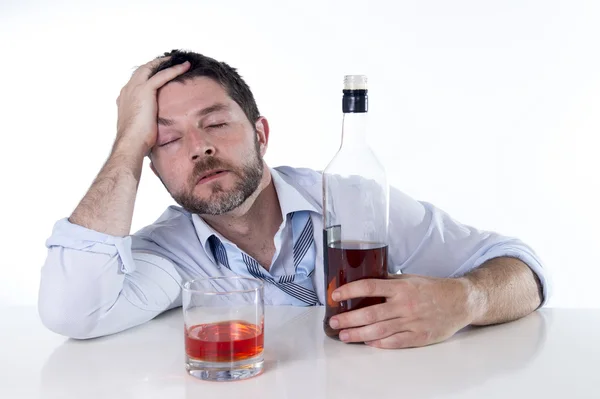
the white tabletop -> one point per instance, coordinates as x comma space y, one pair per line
553, 353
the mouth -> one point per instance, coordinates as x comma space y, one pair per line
211, 175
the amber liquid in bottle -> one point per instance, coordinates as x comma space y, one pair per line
347, 261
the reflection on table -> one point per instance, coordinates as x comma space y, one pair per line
300, 361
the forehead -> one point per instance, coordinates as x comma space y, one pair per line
175, 98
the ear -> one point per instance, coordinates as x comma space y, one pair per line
262, 133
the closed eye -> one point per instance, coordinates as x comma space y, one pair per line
168, 142
217, 126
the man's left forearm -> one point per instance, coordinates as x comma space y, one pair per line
501, 290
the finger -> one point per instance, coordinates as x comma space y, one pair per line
155, 62
402, 276
166, 75
363, 288
142, 72
373, 332
405, 339
365, 316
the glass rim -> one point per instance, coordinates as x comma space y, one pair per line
187, 284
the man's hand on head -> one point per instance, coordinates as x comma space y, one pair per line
137, 106
108, 205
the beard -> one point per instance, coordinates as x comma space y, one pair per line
221, 200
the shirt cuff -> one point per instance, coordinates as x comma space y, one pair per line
73, 236
525, 256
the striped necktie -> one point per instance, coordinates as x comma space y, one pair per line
299, 285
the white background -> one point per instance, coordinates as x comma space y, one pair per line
488, 109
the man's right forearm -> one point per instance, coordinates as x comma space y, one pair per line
108, 205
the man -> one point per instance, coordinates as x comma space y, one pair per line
197, 121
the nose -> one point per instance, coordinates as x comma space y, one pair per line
199, 145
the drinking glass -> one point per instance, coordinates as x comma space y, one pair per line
224, 327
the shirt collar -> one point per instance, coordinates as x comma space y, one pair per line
290, 201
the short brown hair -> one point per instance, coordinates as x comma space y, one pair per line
221, 72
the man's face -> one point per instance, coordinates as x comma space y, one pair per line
208, 155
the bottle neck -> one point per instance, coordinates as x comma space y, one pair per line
354, 130
355, 104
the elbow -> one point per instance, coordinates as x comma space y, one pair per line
65, 312
64, 320
60, 323
72, 297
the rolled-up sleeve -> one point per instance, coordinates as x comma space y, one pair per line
425, 240
94, 284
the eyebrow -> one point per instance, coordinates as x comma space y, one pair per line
203, 112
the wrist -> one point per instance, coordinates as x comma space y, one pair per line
475, 300
127, 157
129, 152
130, 146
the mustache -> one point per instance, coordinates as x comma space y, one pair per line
207, 164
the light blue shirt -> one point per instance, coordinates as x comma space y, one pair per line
94, 284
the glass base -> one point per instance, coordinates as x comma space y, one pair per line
230, 371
